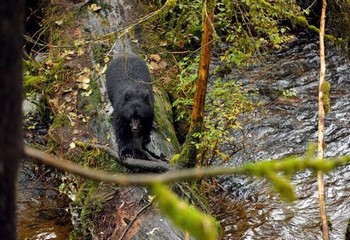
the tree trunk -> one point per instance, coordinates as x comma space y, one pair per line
321, 117
11, 143
189, 153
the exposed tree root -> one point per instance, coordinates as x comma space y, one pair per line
151, 165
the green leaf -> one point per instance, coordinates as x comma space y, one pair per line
184, 215
283, 186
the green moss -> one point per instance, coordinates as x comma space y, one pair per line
188, 158
95, 97
92, 103
93, 158
32, 79
99, 52
43, 77
347, 234
164, 117
60, 120
175, 159
90, 201
58, 34
87, 209
325, 87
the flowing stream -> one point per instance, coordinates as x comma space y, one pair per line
42, 212
283, 126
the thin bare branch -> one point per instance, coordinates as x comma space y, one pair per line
321, 129
125, 179
135, 218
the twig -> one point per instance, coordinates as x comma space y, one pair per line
321, 129
134, 219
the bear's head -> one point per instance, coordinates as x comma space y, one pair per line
137, 107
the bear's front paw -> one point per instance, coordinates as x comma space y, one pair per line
126, 153
146, 140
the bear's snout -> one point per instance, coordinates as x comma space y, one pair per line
135, 125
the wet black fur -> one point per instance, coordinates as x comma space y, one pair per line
130, 92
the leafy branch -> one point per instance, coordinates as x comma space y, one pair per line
273, 169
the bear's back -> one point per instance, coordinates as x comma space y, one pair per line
126, 71
127, 68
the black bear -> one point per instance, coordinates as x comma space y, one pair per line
129, 89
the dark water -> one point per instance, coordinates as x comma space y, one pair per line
284, 126
42, 211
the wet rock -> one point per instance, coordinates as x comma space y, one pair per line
280, 128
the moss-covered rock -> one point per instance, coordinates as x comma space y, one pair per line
163, 139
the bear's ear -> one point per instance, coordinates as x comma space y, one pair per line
128, 93
145, 96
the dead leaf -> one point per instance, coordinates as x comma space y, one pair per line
155, 57
72, 145
59, 22
83, 79
73, 115
162, 65
103, 69
163, 43
80, 51
67, 98
95, 8
106, 60
49, 63
67, 90
154, 65
88, 93
87, 70
84, 86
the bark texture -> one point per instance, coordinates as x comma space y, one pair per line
189, 153
321, 117
11, 144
